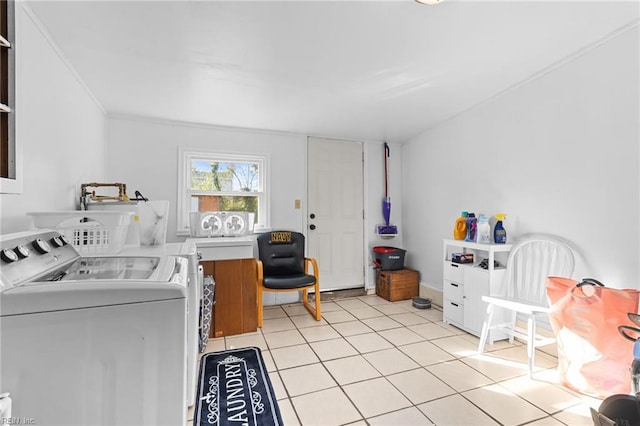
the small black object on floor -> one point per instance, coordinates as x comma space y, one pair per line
421, 303
234, 388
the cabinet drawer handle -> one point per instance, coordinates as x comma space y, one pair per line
454, 304
453, 265
454, 285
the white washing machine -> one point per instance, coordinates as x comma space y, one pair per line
188, 251
91, 341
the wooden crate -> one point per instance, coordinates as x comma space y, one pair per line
397, 285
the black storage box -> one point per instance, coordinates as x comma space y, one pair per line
388, 258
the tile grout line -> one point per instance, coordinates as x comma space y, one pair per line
309, 342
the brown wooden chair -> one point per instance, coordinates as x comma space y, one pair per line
282, 266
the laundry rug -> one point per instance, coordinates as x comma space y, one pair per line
234, 389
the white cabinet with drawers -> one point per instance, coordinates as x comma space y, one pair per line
464, 284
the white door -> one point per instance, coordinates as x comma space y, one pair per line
335, 214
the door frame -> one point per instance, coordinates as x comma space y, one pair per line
365, 237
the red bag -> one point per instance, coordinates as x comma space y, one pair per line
593, 357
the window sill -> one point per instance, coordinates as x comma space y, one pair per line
257, 230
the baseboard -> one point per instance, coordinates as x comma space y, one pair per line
431, 293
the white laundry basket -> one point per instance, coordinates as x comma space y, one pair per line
90, 232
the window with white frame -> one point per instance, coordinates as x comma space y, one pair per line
222, 182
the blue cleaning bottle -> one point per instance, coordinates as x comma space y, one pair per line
499, 233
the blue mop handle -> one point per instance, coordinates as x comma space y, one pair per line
386, 202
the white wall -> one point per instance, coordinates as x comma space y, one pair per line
143, 153
60, 128
559, 154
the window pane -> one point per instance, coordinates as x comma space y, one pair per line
222, 182
207, 175
216, 203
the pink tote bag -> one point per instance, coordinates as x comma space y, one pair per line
593, 357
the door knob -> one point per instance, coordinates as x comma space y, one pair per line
312, 227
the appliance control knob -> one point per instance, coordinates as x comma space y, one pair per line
41, 246
8, 255
57, 242
64, 240
22, 251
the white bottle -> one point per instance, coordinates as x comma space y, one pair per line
484, 230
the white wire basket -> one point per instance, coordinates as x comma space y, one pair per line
90, 232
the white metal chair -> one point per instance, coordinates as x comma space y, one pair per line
529, 264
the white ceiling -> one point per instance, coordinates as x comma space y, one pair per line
381, 70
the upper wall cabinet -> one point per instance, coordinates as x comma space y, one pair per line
9, 176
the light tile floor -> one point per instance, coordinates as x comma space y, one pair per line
373, 362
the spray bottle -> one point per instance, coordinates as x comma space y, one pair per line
499, 233
460, 228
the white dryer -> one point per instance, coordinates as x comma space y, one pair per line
195, 279
91, 341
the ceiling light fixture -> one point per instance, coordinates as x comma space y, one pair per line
429, 2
